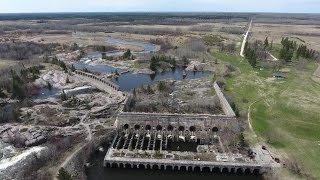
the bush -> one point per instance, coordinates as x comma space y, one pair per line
64, 175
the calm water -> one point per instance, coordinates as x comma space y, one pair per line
96, 171
129, 80
147, 47
44, 93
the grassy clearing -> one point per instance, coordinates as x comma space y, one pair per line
286, 113
6, 63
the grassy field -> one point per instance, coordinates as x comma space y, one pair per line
285, 113
6, 63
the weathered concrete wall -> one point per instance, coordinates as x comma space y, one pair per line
104, 85
201, 122
223, 101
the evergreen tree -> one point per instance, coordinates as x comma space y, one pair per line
64, 175
266, 42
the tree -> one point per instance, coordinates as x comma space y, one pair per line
153, 63
104, 55
149, 90
73, 69
63, 96
266, 43
49, 85
127, 54
64, 175
162, 86
185, 60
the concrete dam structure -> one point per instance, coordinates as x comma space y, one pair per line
186, 142
189, 142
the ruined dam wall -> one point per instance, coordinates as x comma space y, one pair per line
228, 111
102, 84
202, 122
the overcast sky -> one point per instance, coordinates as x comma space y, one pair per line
286, 6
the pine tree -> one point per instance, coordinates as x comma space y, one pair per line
64, 175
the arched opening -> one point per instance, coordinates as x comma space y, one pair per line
126, 126
216, 170
170, 128
225, 170
108, 165
114, 165
196, 169
128, 166
247, 171
239, 171
183, 168
205, 169
256, 171
215, 129
155, 167
162, 167
135, 166
176, 168
137, 127
181, 128
148, 166
121, 165
192, 128
148, 127
189, 169
159, 128
233, 170
169, 167
141, 166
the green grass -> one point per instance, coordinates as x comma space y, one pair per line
286, 113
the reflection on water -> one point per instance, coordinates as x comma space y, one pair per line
128, 81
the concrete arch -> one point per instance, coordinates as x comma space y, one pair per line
169, 167
159, 128
114, 165
225, 170
148, 127
126, 126
206, 169
256, 171
183, 168
239, 171
170, 127
155, 167
196, 169
121, 165
137, 127
247, 171
128, 166
141, 166
215, 129
181, 128
192, 128
190, 169
216, 170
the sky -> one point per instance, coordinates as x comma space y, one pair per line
285, 6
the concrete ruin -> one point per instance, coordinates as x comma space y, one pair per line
191, 142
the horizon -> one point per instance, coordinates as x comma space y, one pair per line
160, 6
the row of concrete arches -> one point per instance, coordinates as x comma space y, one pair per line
239, 170
169, 128
98, 79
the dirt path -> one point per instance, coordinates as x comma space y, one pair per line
89, 137
316, 75
245, 40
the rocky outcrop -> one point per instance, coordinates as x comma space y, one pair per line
195, 66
